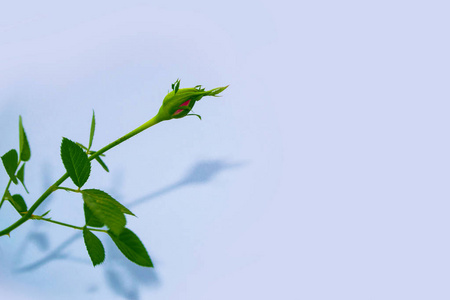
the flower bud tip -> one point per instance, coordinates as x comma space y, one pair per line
179, 102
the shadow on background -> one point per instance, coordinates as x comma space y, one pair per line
36, 237
123, 277
202, 172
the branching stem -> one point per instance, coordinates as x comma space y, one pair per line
65, 224
67, 189
4, 194
28, 215
8, 185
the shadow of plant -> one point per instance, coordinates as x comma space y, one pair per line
201, 173
122, 277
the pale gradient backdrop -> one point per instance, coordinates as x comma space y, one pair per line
322, 172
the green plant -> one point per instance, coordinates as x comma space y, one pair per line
102, 212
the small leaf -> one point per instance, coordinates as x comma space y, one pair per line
82, 146
91, 220
46, 213
18, 203
106, 209
10, 160
91, 138
76, 162
131, 246
94, 247
100, 161
200, 117
176, 86
25, 152
21, 177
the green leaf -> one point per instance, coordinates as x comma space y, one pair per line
91, 138
94, 247
82, 146
131, 246
25, 152
91, 220
10, 161
200, 117
177, 86
18, 203
46, 213
76, 162
21, 177
106, 209
117, 203
100, 161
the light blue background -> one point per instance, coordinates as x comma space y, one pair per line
322, 172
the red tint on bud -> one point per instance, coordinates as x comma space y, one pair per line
179, 102
180, 110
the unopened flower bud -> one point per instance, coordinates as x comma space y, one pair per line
179, 102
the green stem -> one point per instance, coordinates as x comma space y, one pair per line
67, 225
36, 204
67, 189
155, 120
4, 194
7, 186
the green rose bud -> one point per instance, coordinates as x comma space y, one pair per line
179, 102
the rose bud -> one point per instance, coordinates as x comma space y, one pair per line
179, 102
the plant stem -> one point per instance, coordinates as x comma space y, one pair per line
67, 189
36, 204
4, 194
155, 120
8, 185
67, 225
